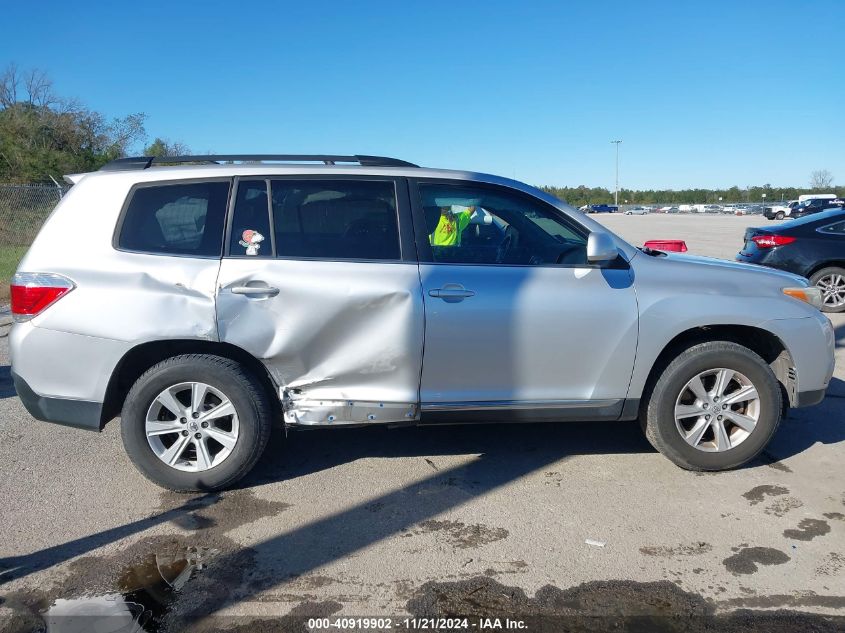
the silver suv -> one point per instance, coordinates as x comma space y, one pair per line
207, 300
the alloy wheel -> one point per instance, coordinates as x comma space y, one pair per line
192, 426
833, 290
717, 410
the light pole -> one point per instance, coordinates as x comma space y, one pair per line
616, 194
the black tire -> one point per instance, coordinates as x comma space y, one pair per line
659, 415
779, 215
251, 402
821, 274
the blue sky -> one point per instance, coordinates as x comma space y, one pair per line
702, 93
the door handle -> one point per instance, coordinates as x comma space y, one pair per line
255, 291
451, 293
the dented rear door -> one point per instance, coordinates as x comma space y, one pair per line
319, 281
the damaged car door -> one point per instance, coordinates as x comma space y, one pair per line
319, 281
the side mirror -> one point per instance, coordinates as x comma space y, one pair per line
601, 247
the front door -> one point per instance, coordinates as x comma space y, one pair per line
516, 318
320, 283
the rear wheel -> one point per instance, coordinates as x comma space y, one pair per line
831, 281
715, 407
196, 422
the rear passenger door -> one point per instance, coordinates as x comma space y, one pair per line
319, 280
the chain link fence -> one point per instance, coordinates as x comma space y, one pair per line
23, 209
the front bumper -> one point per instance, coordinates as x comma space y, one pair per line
809, 398
810, 342
81, 414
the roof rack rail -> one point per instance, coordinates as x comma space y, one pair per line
144, 162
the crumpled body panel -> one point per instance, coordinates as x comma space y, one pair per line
343, 340
137, 298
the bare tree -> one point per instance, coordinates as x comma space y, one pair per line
127, 132
9, 82
39, 88
821, 179
32, 88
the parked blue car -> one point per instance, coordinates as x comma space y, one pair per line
603, 208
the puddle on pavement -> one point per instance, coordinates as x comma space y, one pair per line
146, 592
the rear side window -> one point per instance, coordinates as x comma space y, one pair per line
838, 228
176, 219
340, 219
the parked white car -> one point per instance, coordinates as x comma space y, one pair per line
637, 211
780, 211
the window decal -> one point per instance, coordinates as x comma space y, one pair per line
251, 241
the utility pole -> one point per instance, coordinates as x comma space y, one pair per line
616, 194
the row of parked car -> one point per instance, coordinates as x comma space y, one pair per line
805, 205
727, 209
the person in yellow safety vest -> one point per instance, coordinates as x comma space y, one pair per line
450, 226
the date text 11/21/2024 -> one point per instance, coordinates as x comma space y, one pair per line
415, 623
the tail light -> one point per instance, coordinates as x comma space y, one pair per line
770, 241
32, 293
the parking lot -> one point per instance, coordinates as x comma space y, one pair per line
704, 234
566, 521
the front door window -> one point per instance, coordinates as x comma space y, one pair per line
476, 225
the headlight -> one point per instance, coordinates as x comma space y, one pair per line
811, 295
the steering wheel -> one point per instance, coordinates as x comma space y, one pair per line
507, 244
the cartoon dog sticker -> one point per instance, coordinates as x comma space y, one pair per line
251, 241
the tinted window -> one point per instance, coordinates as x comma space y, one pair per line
838, 228
184, 219
469, 225
251, 221
341, 219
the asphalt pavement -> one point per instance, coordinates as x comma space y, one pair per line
563, 521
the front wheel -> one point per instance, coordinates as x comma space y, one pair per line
196, 422
831, 281
779, 215
715, 407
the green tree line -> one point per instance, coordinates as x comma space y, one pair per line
43, 135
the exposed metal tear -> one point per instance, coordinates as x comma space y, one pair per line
302, 411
